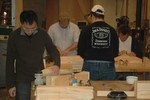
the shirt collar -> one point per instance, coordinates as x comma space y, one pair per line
23, 33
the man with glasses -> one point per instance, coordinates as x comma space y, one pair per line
25, 50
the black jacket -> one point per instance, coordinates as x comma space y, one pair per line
98, 41
136, 47
25, 55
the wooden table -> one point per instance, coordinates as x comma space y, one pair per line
104, 86
100, 90
75, 64
106, 98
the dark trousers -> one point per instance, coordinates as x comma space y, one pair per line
23, 90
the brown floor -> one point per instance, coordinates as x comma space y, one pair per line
4, 93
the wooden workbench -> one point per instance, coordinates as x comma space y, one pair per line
112, 85
138, 91
141, 68
100, 91
120, 68
102, 88
75, 63
106, 98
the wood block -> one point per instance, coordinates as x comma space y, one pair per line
143, 90
66, 66
83, 76
130, 59
75, 62
64, 93
48, 71
146, 62
63, 80
132, 68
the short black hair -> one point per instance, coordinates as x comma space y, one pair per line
124, 29
28, 16
123, 20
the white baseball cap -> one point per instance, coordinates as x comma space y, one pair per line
98, 9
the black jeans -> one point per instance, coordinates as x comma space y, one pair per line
23, 90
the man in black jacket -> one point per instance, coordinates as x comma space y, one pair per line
25, 50
98, 45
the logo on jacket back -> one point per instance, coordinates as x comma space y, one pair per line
101, 37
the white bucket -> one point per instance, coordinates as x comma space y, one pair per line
131, 79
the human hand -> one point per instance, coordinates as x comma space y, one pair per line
64, 53
12, 91
55, 70
60, 52
123, 52
132, 54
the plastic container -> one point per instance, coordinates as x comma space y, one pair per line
131, 79
38, 79
73, 80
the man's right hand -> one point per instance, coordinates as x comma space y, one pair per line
12, 91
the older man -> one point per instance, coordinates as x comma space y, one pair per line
64, 35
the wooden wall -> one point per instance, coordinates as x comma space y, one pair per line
75, 9
116, 8
52, 12
19, 8
110, 8
39, 6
